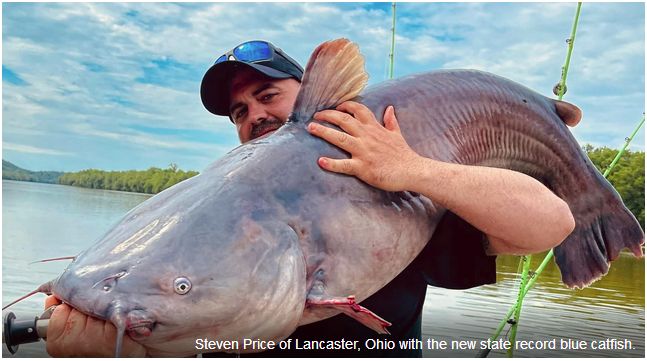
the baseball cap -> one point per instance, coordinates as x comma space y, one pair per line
259, 55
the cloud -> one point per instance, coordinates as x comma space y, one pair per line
22, 148
146, 142
101, 74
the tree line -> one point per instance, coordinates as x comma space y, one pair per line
153, 180
627, 176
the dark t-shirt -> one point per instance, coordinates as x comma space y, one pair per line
454, 258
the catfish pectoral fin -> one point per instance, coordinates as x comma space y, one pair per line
349, 307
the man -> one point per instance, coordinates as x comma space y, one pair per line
256, 84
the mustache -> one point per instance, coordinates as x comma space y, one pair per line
264, 126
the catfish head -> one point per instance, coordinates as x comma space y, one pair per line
183, 265
221, 255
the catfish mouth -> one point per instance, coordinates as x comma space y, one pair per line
139, 324
140, 330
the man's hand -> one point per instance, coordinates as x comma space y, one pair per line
380, 155
72, 334
517, 213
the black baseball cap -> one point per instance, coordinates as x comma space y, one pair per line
258, 55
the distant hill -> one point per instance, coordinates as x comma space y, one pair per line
13, 172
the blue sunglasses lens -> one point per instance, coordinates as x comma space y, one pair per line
253, 51
221, 59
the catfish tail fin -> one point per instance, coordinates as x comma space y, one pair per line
604, 226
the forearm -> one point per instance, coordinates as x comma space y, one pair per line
517, 210
518, 214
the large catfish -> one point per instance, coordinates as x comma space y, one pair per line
263, 240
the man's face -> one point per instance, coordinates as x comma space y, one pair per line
259, 105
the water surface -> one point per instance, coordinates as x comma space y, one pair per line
44, 221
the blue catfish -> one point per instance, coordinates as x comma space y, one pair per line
263, 240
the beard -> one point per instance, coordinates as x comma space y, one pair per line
265, 127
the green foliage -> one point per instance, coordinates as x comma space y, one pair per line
12, 172
627, 176
153, 180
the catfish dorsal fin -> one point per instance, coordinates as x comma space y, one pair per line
334, 74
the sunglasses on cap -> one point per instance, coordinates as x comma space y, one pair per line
259, 55
256, 51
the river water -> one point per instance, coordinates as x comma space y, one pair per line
44, 221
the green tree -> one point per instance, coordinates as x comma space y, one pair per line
153, 180
627, 177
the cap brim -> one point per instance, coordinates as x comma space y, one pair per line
214, 89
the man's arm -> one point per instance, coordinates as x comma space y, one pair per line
518, 213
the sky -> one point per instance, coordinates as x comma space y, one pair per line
115, 86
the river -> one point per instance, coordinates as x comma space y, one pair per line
45, 220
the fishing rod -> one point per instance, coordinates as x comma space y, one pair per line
392, 53
559, 90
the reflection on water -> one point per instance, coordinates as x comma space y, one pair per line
43, 221
612, 308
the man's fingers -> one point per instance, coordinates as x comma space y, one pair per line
345, 166
335, 137
390, 121
72, 333
343, 120
132, 348
105, 334
76, 324
58, 322
51, 301
358, 110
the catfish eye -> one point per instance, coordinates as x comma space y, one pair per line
182, 285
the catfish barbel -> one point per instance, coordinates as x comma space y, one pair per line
263, 240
